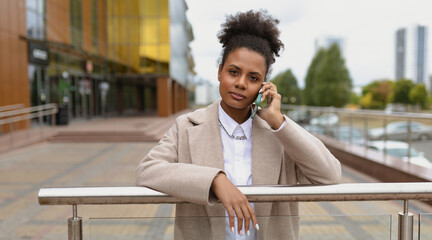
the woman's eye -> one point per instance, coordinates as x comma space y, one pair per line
253, 78
233, 72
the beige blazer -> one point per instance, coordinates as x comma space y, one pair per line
189, 156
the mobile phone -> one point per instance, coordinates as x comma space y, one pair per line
257, 102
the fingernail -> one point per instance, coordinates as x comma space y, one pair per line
248, 233
257, 226
232, 229
262, 99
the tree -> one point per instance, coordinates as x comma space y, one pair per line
308, 95
377, 94
418, 95
401, 91
286, 84
331, 81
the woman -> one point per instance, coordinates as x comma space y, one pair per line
208, 152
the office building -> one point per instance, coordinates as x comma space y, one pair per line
411, 54
98, 57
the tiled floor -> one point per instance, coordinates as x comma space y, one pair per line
25, 170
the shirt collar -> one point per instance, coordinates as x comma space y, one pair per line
230, 124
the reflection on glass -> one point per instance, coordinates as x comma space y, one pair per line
35, 19
375, 227
138, 34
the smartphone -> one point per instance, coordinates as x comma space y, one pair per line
257, 102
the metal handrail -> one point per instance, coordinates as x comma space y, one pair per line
11, 107
302, 193
17, 115
299, 193
49, 106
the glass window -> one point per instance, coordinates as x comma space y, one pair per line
150, 8
119, 7
164, 53
134, 30
94, 25
164, 30
151, 31
35, 19
163, 8
76, 22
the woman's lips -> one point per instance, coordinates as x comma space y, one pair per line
237, 96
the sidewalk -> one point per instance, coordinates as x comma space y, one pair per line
115, 129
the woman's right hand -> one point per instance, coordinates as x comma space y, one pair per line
234, 202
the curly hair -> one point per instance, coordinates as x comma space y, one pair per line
255, 30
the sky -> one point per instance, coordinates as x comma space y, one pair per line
367, 26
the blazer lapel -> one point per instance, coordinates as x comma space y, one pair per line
205, 146
205, 142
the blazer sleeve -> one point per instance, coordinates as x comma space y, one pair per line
161, 171
313, 161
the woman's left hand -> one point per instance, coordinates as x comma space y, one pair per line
271, 112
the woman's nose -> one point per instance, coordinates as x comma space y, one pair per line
241, 81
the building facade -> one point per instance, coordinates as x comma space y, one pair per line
327, 41
411, 54
97, 57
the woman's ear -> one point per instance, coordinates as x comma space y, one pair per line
219, 72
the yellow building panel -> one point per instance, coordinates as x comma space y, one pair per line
164, 30
150, 8
138, 33
164, 53
134, 30
150, 30
163, 8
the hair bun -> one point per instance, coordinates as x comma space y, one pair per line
255, 23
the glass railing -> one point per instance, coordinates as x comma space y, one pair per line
361, 227
425, 226
344, 227
404, 135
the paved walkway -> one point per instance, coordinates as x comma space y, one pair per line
25, 170
115, 129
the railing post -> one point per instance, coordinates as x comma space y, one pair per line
406, 222
409, 140
75, 225
11, 132
385, 135
366, 131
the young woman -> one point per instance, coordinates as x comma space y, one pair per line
208, 152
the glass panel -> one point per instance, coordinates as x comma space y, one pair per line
163, 7
94, 25
425, 226
118, 7
164, 53
151, 31
362, 227
122, 30
164, 30
150, 8
134, 25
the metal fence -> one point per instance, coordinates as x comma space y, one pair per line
75, 196
13, 114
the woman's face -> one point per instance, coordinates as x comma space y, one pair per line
241, 78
